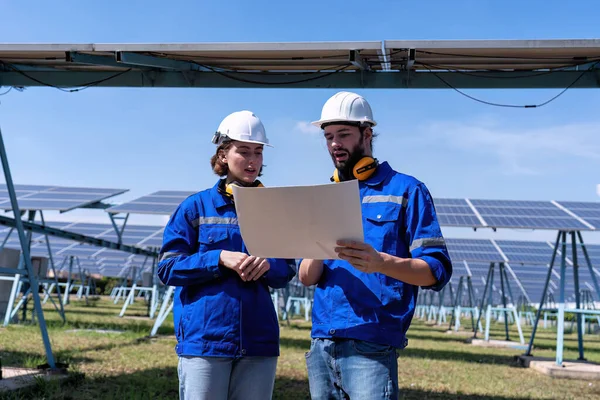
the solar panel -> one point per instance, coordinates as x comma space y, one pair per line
524, 252
590, 212
94, 256
473, 250
526, 214
456, 212
58, 198
161, 202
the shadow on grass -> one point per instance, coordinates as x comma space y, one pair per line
410, 394
156, 383
299, 344
442, 337
125, 325
294, 325
23, 359
450, 355
163, 383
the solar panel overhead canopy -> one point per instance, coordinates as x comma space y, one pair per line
306, 64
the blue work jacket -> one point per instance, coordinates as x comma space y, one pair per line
215, 312
399, 219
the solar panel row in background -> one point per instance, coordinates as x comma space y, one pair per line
59, 198
162, 202
453, 212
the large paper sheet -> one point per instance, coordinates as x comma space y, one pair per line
299, 221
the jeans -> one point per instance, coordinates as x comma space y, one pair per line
352, 369
226, 378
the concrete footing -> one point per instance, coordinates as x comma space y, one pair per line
500, 344
583, 370
20, 378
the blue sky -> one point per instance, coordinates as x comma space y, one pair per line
151, 139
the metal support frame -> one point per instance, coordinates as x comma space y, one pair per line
165, 309
459, 309
489, 304
195, 76
26, 255
118, 231
442, 309
20, 279
561, 239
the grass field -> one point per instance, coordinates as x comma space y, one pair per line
127, 365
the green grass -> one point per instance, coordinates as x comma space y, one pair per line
435, 365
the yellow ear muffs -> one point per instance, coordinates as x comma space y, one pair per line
229, 187
363, 169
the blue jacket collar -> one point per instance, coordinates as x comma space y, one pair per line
383, 171
218, 198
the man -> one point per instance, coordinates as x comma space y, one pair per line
364, 302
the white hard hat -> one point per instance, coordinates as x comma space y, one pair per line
346, 107
243, 126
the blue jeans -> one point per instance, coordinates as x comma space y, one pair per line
222, 378
352, 369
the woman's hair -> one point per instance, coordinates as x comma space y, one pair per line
219, 167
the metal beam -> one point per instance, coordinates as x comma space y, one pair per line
359, 62
134, 59
330, 80
92, 59
46, 230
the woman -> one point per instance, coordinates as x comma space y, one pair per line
225, 322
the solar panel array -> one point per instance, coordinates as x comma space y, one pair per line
60, 198
454, 212
588, 211
527, 260
476, 213
107, 262
161, 202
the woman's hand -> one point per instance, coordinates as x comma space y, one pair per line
249, 268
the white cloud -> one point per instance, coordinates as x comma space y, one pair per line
520, 151
306, 128
598, 189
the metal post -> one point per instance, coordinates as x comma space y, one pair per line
68, 288
82, 282
589, 264
471, 302
456, 305
26, 255
62, 310
539, 310
514, 308
165, 309
561, 302
487, 285
153, 296
442, 294
488, 314
501, 267
577, 296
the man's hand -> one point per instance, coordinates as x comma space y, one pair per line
361, 256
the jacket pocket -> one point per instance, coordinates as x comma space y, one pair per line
213, 237
382, 225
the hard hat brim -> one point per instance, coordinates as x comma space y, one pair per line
246, 141
319, 123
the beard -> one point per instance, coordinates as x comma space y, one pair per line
346, 167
